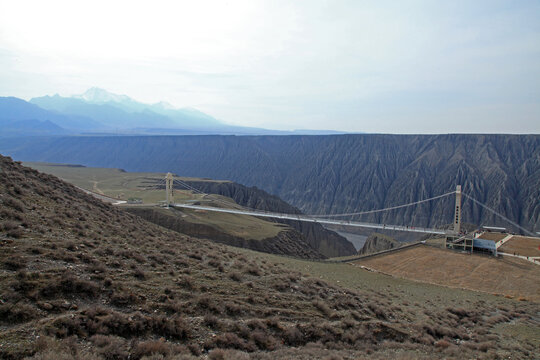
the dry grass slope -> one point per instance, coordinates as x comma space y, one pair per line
82, 279
521, 245
506, 276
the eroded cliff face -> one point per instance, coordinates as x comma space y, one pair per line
377, 242
335, 174
287, 242
326, 242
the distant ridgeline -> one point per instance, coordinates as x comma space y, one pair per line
335, 173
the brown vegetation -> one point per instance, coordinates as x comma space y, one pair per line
446, 267
521, 245
86, 280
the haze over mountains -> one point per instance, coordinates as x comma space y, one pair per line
335, 174
99, 111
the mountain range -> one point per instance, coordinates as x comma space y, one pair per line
335, 174
99, 111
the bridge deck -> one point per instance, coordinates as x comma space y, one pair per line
317, 220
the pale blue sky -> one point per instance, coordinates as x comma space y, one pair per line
369, 66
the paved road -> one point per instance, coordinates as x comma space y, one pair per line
104, 198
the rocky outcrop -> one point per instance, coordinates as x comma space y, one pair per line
378, 242
287, 242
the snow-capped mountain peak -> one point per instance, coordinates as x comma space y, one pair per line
164, 105
98, 96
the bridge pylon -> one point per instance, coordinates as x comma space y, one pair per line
169, 189
457, 214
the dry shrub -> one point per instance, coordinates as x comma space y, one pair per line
273, 322
196, 256
14, 262
254, 270
322, 307
263, 341
195, 349
496, 319
236, 276
16, 233
139, 274
123, 298
217, 354
8, 213
210, 304
186, 282
70, 285
17, 313
379, 312
233, 309
8, 225
211, 321
111, 347
97, 267
282, 284
157, 259
485, 346
13, 203
257, 324
108, 322
439, 332
442, 344
460, 312
51, 349
35, 251
147, 348
293, 336
214, 263
230, 340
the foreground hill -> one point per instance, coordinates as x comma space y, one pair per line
82, 279
336, 174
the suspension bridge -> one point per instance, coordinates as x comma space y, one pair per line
232, 208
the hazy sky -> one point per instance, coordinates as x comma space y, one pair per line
433, 66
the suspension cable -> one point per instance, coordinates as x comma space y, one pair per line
498, 214
362, 212
385, 209
189, 187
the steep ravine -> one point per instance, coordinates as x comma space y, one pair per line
326, 242
287, 242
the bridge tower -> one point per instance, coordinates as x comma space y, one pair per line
169, 189
457, 215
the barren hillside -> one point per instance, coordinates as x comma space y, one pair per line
82, 279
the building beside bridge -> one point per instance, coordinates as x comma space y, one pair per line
498, 244
477, 242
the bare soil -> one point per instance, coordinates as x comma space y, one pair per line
505, 276
521, 245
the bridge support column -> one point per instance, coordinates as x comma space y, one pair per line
169, 189
457, 215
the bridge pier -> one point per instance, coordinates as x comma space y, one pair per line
457, 215
169, 189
